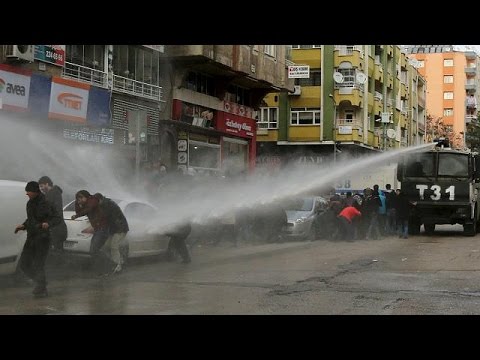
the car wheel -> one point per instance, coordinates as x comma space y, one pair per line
429, 228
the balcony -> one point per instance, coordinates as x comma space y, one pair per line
347, 50
378, 96
378, 73
470, 70
470, 118
353, 94
85, 74
349, 129
137, 88
421, 99
471, 85
470, 55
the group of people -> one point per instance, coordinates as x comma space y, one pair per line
46, 230
370, 215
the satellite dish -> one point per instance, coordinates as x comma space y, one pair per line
338, 77
361, 78
391, 133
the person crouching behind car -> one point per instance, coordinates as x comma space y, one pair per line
41, 216
346, 217
117, 228
86, 204
177, 242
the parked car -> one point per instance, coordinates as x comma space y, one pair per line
12, 212
141, 241
303, 217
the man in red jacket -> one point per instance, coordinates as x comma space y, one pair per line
346, 217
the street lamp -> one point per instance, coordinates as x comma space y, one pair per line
334, 128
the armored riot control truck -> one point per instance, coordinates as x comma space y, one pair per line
444, 183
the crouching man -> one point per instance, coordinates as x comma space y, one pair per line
117, 229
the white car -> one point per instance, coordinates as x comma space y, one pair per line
141, 241
12, 212
303, 216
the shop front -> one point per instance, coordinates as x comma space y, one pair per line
211, 141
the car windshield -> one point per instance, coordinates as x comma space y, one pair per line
305, 204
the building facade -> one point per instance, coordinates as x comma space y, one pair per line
355, 99
195, 105
215, 92
452, 76
86, 93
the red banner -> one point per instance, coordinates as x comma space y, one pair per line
236, 125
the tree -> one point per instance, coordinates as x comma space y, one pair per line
434, 128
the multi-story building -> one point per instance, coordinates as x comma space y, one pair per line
85, 93
452, 76
355, 99
215, 91
206, 97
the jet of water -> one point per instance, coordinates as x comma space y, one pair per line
27, 153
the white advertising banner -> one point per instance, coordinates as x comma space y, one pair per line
14, 90
299, 71
68, 100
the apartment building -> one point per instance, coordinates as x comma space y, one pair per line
355, 99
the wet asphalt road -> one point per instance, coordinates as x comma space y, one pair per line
421, 275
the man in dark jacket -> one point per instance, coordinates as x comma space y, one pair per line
41, 216
53, 193
87, 204
177, 242
117, 229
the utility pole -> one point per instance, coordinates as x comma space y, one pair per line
385, 121
334, 128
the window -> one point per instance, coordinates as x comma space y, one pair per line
136, 63
448, 62
348, 77
314, 79
349, 116
238, 95
448, 112
448, 79
268, 118
235, 156
447, 95
419, 165
203, 155
200, 83
270, 50
453, 165
304, 116
91, 56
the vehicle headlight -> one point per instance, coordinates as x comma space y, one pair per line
301, 220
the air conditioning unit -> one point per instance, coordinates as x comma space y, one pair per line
297, 90
19, 52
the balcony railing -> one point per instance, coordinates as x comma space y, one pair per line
354, 123
471, 70
85, 74
378, 96
348, 49
138, 88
